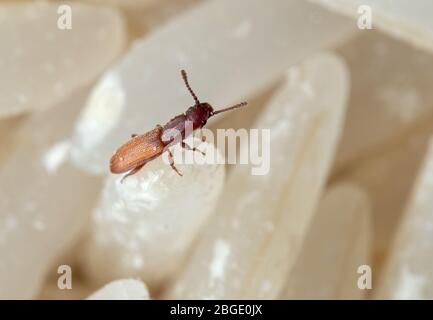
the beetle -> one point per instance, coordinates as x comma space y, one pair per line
141, 149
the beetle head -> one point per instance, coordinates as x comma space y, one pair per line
201, 111
199, 114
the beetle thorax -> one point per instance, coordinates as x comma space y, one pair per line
199, 114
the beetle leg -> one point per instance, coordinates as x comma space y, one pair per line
187, 147
170, 158
134, 135
133, 171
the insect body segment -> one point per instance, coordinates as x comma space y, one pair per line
174, 130
135, 153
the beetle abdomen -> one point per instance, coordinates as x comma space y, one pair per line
137, 151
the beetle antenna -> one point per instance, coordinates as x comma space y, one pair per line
239, 105
185, 79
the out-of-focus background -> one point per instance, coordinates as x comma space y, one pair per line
343, 86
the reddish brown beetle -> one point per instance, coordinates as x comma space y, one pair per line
141, 149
